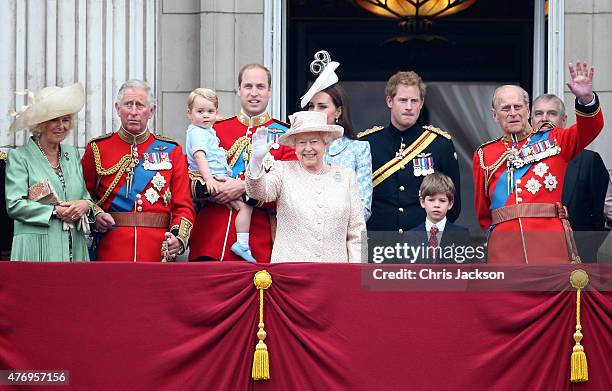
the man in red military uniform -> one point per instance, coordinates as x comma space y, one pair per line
214, 231
140, 184
518, 177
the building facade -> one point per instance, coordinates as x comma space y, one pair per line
178, 45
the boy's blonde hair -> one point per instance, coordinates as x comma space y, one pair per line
437, 183
205, 93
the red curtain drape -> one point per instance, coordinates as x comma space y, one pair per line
193, 327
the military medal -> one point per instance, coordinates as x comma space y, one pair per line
167, 197
158, 181
273, 136
417, 167
535, 152
540, 169
156, 161
430, 165
399, 154
423, 164
533, 185
151, 195
550, 182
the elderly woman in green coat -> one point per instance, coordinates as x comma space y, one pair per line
51, 229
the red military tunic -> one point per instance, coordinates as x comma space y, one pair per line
530, 239
214, 231
160, 185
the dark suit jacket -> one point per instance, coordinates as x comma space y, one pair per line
452, 234
584, 193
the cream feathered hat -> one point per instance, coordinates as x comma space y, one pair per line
51, 102
326, 69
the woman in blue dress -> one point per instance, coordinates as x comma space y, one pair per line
327, 96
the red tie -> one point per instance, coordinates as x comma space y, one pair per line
433, 240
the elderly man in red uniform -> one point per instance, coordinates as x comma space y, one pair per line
214, 230
518, 177
140, 184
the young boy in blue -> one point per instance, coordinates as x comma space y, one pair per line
207, 157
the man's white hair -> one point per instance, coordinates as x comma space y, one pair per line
136, 84
525, 94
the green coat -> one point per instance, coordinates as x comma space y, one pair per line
38, 236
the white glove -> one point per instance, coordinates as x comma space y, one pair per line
259, 148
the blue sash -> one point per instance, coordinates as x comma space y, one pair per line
123, 203
500, 193
240, 165
275, 130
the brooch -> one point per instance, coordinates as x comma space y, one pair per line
533, 185
151, 195
158, 181
550, 182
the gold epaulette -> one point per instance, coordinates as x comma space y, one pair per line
166, 139
437, 131
104, 136
2, 155
370, 131
489, 142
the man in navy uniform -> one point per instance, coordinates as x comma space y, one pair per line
404, 153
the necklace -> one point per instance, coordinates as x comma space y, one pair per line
59, 154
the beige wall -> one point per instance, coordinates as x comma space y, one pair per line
588, 28
204, 43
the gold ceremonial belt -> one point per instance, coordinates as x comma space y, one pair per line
145, 219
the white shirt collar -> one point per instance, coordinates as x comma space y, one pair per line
441, 224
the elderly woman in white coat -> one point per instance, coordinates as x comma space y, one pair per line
319, 212
328, 96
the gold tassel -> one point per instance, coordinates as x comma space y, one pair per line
261, 359
579, 368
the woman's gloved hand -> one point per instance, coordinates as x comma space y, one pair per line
259, 148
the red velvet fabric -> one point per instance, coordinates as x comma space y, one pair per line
121, 326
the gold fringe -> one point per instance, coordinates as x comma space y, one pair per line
579, 370
261, 358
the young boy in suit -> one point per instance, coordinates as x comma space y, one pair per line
436, 235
